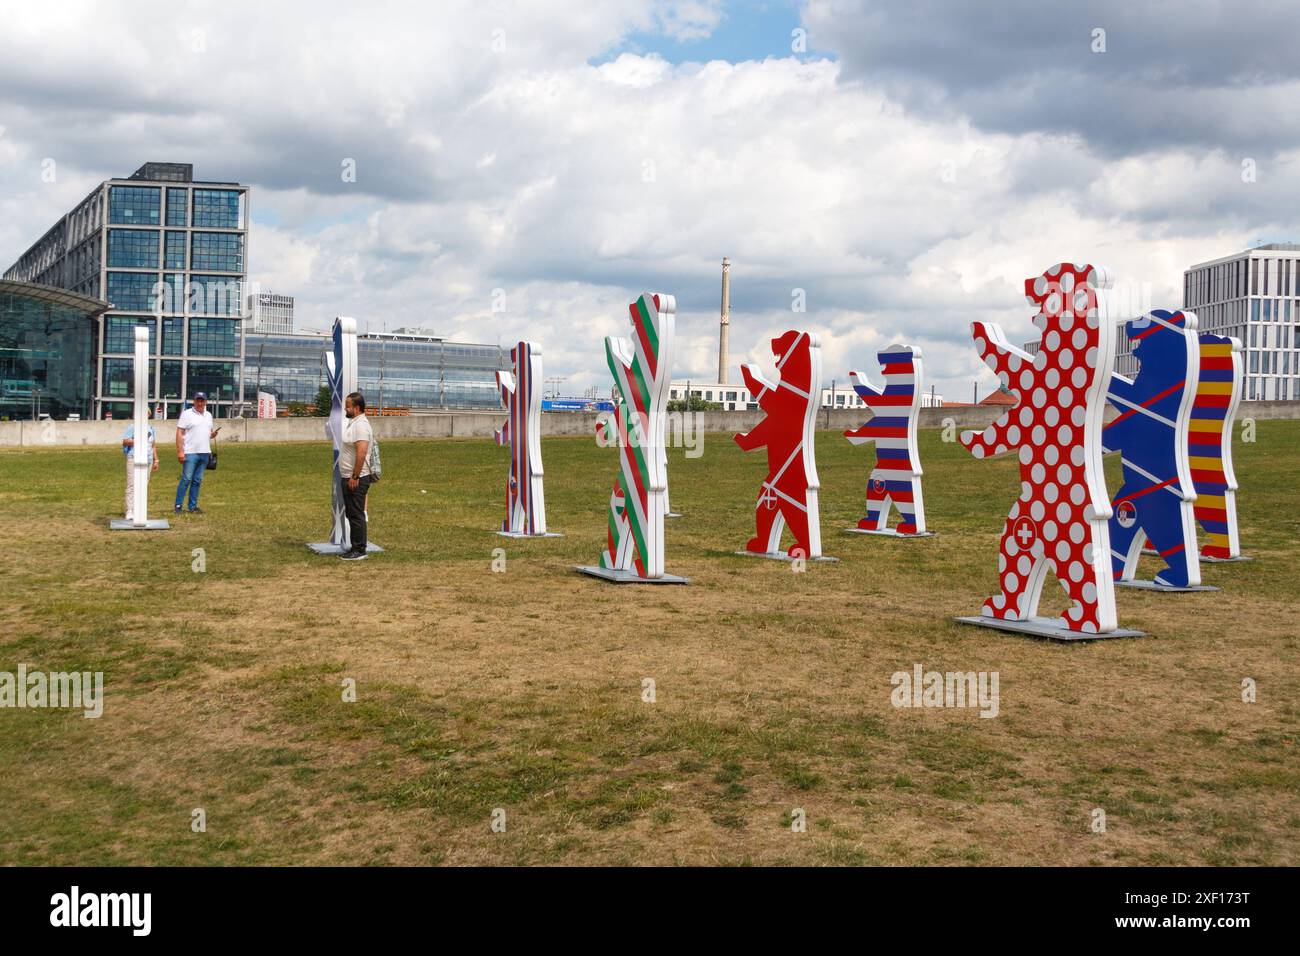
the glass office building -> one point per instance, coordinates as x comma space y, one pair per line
420, 372
1254, 296
168, 253
47, 340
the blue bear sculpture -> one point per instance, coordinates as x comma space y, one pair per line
1150, 432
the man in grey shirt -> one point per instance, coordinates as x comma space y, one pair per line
354, 469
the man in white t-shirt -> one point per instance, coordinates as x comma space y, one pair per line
354, 469
194, 434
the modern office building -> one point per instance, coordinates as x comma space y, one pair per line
167, 252
1255, 296
47, 340
396, 369
270, 313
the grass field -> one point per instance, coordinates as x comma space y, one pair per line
522, 690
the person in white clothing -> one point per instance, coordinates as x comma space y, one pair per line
194, 434
128, 446
354, 469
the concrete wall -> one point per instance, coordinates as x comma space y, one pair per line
482, 424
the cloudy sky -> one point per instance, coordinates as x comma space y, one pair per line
905, 164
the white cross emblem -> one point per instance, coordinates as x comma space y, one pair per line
1025, 533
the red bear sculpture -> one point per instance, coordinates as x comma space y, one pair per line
789, 493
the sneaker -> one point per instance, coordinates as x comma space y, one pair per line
176, 510
354, 556
196, 510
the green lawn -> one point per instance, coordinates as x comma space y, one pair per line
522, 690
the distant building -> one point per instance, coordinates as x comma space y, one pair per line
732, 398
577, 405
736, 398
270, 312
994, 399
169, 253
395, 369
844, 396
1255, 296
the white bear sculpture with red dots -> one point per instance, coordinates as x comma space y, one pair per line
1059, 520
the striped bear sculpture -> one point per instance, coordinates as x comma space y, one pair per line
341, 375
641, 367
1209, 439
1059, 520
1150, 433
522, 431
895, 480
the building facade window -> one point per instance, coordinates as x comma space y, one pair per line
217, 379
133, 249
134, 205
215, 295
214, 337
119, 333
119, 377
175, 251
132, 291
173, 294
173, 336
170, 384
223, 251
177, 207
216, 208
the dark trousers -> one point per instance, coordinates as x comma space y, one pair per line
354, 506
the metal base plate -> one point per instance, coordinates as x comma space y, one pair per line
781, 556
889, 533
1237, 559
150, 524
1163, 588
1046, 627
628, 577
521, 534
327, 547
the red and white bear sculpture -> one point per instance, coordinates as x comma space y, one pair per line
789, 493
1060, 519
